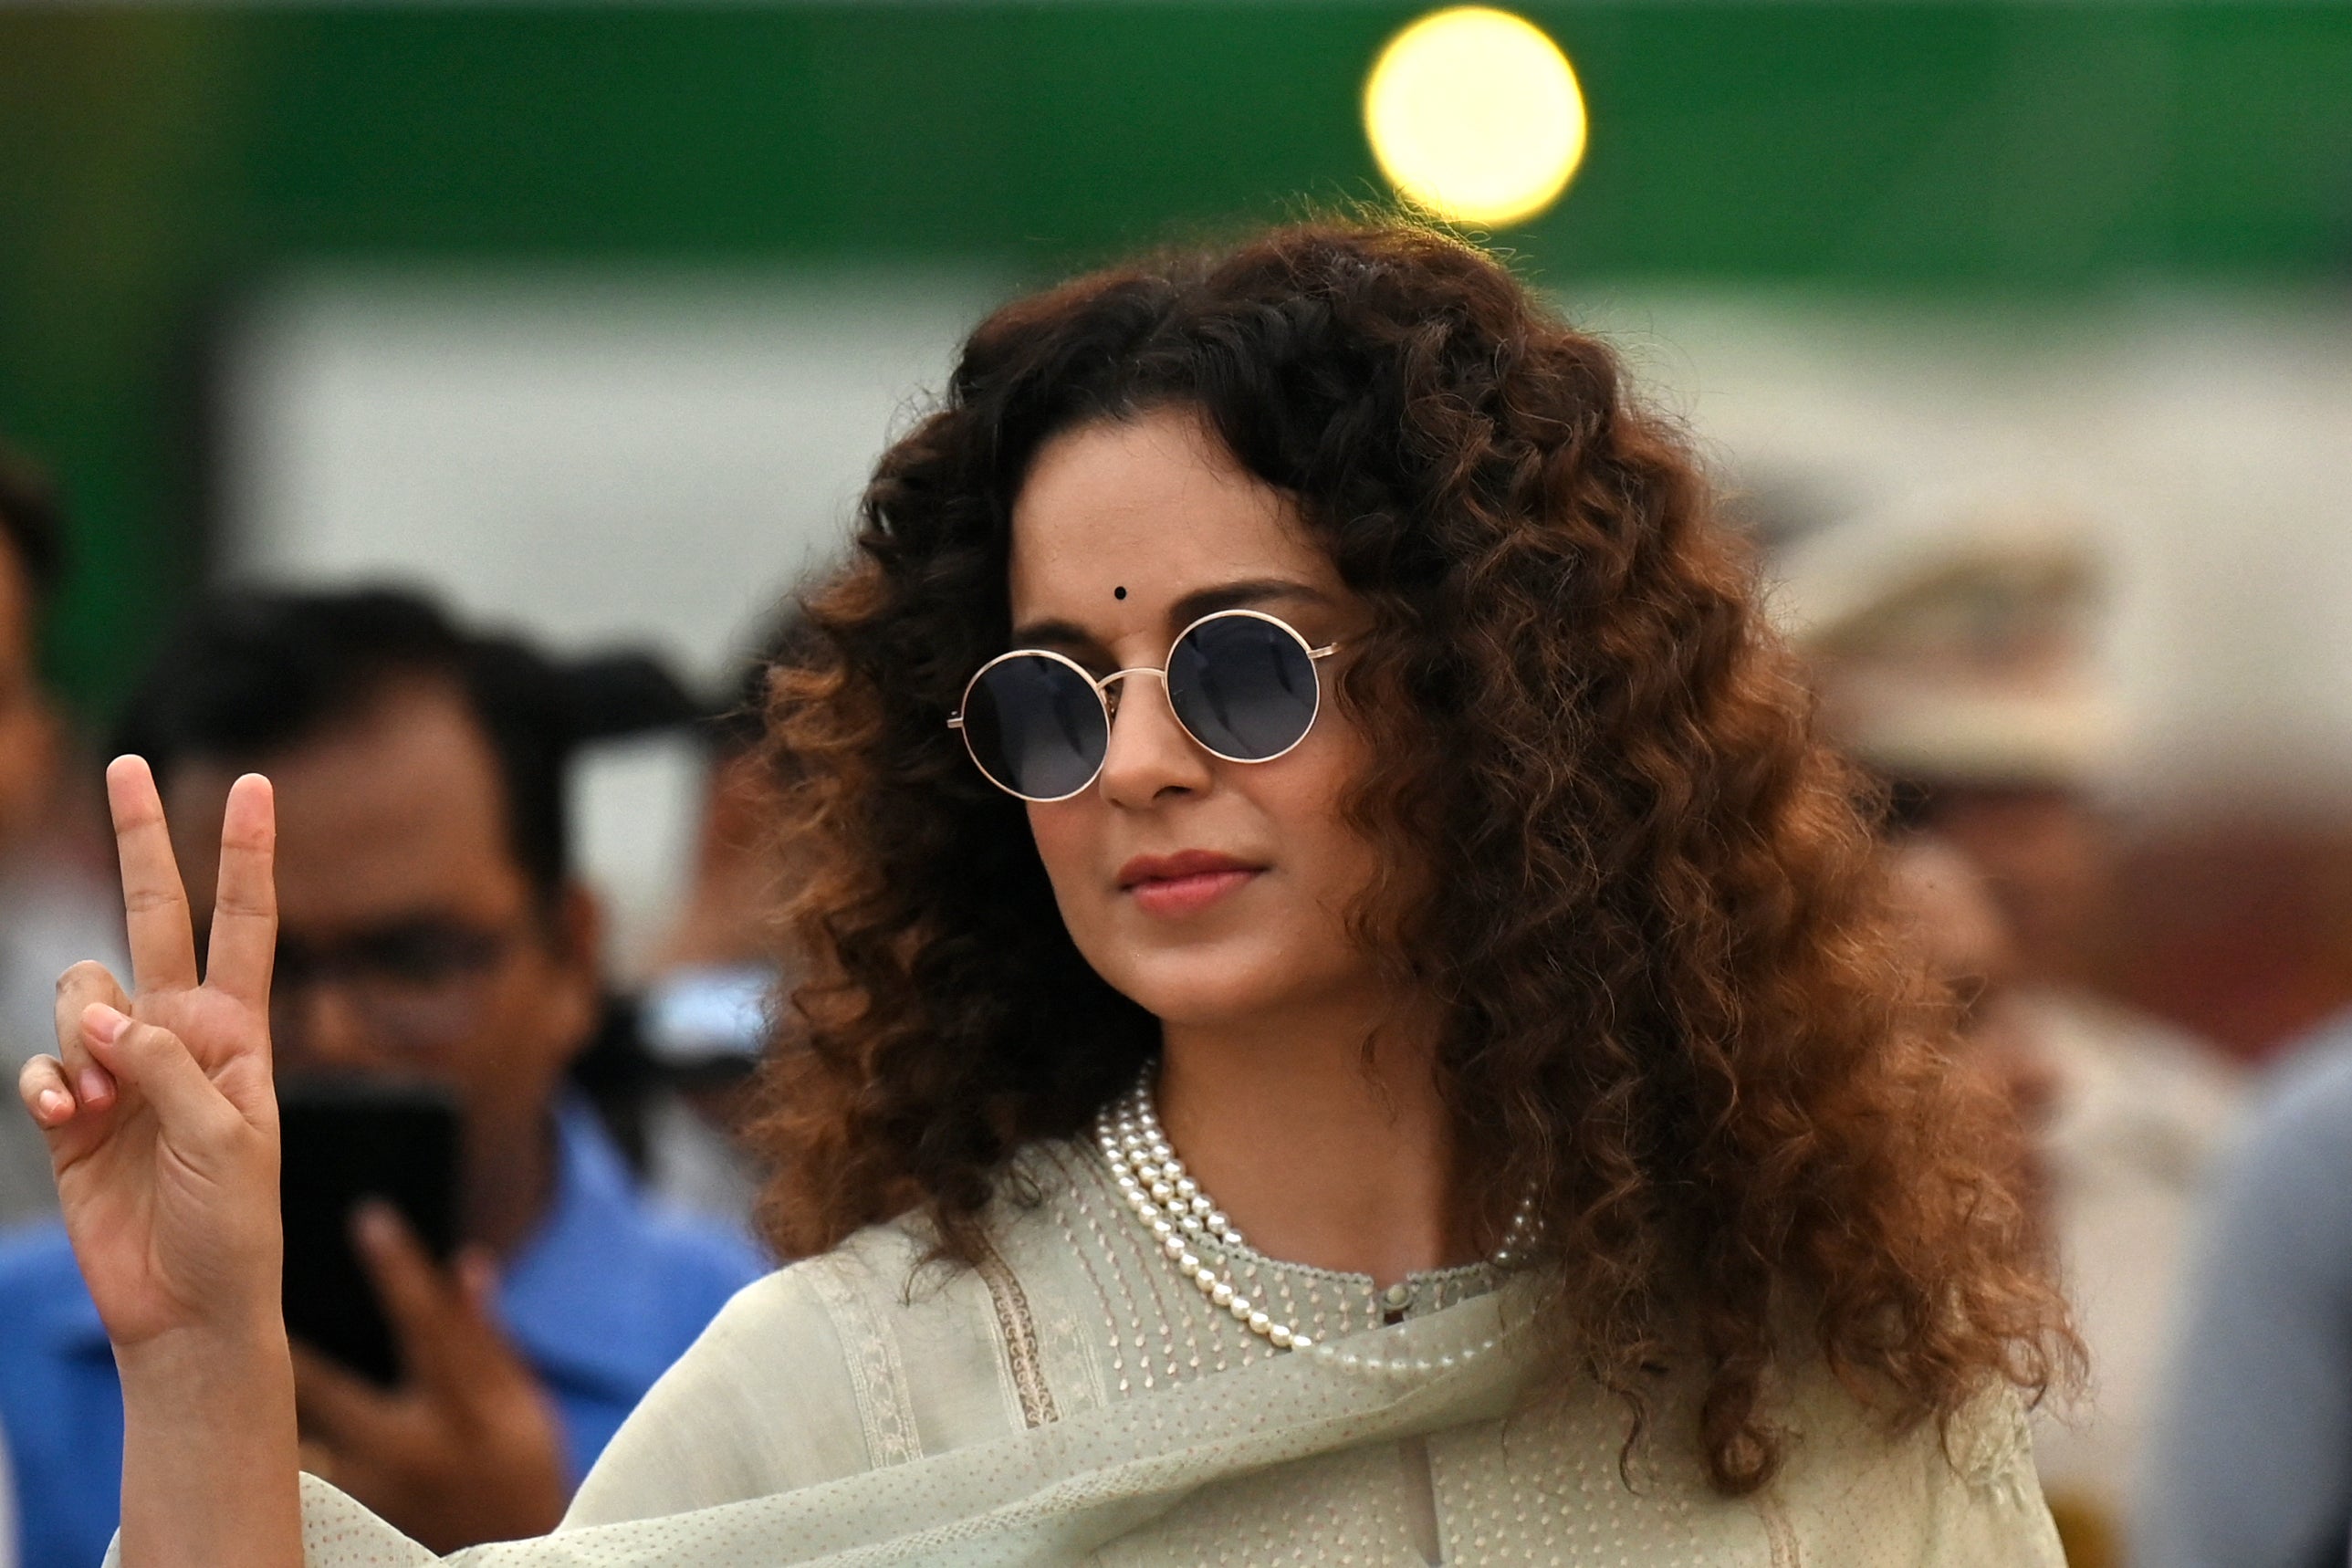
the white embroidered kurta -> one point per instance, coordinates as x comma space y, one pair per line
1075, 1399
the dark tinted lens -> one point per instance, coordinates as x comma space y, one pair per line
1244, 686
1036, 726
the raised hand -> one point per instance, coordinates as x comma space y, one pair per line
163, 1129
160, 1121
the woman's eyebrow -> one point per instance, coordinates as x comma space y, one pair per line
1054, 633
1245, 593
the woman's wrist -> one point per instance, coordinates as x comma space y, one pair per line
209, 1454
201, 1358
225, 1389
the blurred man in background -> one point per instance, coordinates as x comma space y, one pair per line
708, 1011
2250, 1463
1955, 657
56, 905
1968, 947
430, 932
7, 1508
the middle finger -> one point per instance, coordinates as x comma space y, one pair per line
245, 910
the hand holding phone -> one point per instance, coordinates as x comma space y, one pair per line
467, 1447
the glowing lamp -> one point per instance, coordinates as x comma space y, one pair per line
1474, 116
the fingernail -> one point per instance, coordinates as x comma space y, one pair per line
480, 1275
373, 1224
92, 1085
54, 1104
103, 1024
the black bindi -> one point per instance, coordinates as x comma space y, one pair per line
1118, 593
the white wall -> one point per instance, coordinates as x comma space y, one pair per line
648, 459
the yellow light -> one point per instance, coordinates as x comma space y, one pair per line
1475, 116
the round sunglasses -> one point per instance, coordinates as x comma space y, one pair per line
1241, 682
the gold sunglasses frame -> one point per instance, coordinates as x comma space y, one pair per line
1314, 655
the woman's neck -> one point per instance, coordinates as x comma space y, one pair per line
1320, 1152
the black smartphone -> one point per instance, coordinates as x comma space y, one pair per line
346, 1140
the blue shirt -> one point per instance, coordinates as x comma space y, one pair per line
602, 1298
2249, 1465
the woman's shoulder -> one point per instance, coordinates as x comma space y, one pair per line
1865, 1491
759, 1403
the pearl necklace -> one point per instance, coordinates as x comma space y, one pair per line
1183, 1219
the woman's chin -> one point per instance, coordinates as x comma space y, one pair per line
1206, 992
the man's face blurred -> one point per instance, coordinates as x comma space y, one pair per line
27, 725
1966, 943
2044, 858
410, 944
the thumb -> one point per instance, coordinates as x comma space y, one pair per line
153, 1061
340, 1410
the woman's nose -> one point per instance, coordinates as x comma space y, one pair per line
1150, 754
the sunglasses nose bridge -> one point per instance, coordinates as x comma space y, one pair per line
1153, 750
1113, 686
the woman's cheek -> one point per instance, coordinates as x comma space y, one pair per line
1056, 826
1330, 866
1065, 845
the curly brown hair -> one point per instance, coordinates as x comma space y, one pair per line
1675, 1007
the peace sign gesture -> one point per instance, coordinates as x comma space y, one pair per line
162, 1124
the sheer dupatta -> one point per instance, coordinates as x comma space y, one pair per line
1071, 1399
1054, 1493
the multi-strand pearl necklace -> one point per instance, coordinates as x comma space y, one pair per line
1183, 1219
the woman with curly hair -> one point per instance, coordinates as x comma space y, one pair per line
1347, 1018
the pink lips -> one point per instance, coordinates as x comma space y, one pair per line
1170, 886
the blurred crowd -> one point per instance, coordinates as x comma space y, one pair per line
437, 939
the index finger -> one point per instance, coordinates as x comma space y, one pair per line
441, 1344
154, 904
245, 907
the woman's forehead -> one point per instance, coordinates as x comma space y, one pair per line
1120, 522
